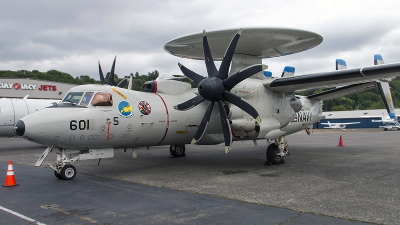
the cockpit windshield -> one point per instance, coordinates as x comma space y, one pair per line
86, 98
73, 97
79, 98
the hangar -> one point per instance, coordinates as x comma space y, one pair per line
365, 118
36, 89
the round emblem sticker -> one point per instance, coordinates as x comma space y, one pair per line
144, 108
125, 109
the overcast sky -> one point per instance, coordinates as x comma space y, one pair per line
71, 36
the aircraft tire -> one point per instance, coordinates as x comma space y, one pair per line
177, 150
272, 156
57, 175
68, 172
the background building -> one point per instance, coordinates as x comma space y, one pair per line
36, 89
365, 118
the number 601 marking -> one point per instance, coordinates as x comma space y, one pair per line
81, 124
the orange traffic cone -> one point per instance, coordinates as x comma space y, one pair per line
341, 144
10, 178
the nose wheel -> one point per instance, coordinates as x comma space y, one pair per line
67, 172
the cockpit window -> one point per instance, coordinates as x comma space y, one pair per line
102, 99
73, 97
86, 98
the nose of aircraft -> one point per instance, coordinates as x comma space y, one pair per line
19, 128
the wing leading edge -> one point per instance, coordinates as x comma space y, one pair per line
334, 78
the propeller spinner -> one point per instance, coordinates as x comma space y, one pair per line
216, 88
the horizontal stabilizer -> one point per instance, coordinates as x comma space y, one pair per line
342, 91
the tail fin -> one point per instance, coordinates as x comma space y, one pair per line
384, 89
340, 64
378, 60
288, 71
267, 73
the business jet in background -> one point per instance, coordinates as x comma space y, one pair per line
335, 126
13, 109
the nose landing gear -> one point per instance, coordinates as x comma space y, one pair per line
68, 172
62, 165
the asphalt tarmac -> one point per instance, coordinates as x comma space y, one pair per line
320, 183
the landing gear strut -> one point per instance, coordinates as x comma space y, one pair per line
177, 150
62, 165
277, 151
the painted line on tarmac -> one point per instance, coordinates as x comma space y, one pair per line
21, 216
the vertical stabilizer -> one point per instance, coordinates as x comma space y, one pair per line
267, 73
341, 64
387, 97
288, 71
378, 60
384, 89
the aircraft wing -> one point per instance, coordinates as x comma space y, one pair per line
342, 91
335, 124
334, 78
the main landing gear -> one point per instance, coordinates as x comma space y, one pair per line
277, 151
177, 151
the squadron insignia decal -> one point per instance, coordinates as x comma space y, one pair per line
144, 108
125, 109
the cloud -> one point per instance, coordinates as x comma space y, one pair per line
71, 36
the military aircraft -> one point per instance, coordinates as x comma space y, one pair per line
13, 109
335, 126
249, 104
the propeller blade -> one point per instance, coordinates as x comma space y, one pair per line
204, 122
240, 76
226, 61
111, 78
189, 103
211, 69
122, 83
226, 128
190, 74
239, 102
102, 80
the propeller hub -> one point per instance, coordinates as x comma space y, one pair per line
212, 89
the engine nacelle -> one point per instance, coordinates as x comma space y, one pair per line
244, 124
296, 104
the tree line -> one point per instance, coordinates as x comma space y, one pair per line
369, 99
